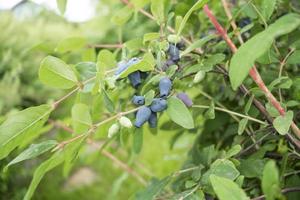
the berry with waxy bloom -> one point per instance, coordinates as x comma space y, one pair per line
142, 115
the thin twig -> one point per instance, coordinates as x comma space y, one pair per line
109, 46
141, 10
232, 22
282, 64
285, 190
232, 113
120, 163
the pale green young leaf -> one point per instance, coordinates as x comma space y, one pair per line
81, 118
282, 123
70, 44
134, 44
107, 58
226, 189
243, 60
56, 73
89, 55
199, 4
270, 181
178, 112
61, 5
20, 126
158, 10
33, 151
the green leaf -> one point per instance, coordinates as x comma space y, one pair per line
70, 44
270, 181
294, 58
56, 73
39, 173
137, 140
89, 55
122, 16
33, 151
221, 167
226, 189
81, 118
21, 126
109, 105
267, 8
158, 10
198, 44
155, 187
149, 97
282, 123
242, 126
210, 113
134, 44
146, 64
178, 112
251, 168
233, 151
150, 36
199, 4
86, 70
61, 5
243, 60
107, 58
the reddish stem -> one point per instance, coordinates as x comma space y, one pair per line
253, 71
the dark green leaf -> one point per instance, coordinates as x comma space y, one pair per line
137, 140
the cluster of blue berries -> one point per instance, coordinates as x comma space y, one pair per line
136, 77
149, 113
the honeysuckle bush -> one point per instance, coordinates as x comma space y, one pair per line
232, 83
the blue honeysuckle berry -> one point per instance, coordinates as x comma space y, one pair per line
142, 115
138, 100
153, 120
165, 85
174, 53
133, 61
158, 105
185, 99
135, 79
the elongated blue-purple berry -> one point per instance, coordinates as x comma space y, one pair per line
135, 79
142, 115
153, 120
121, 66
174, 53
138, 100
165, 86
158, 105
185, 99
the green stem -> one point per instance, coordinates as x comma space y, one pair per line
232, 113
